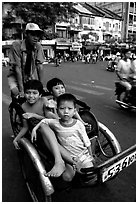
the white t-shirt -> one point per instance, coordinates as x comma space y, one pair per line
73, 138
124, 68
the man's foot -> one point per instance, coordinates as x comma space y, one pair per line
57, 170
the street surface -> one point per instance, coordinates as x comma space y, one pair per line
94, 85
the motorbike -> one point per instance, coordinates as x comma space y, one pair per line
58, 62
111, 66
120, 90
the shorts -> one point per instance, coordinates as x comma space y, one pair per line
83, 160
12, 82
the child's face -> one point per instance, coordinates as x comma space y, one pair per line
58, 90
32, 96
66, 110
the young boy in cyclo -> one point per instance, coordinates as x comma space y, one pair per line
35, 109
71, 135
56, 87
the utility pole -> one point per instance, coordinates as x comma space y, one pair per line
126, 21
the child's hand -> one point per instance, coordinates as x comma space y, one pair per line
15, 142
88, 127
33, 135
29, 115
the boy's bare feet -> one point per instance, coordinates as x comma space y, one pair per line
57, 170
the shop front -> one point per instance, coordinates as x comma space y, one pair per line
62, 46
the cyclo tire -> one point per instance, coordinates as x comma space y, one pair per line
107, 145
27, 167
31, 177
15, 117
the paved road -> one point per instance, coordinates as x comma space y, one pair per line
78, 78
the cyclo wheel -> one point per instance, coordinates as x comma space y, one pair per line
29, 171
15, 117
32, 177
106, 145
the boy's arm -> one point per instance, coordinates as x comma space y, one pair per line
33, 134
83, 134
50, 114
22, 132
90, 150
48, 105
32, 115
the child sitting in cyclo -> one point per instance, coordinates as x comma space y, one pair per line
34, 110
71, 135
56, 87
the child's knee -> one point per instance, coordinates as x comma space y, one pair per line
67, 176
44, 128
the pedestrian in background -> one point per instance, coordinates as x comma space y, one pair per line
26, 60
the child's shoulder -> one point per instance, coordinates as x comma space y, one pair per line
49, 101
79, 123
24, 106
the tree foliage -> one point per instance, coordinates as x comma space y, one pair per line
43, 13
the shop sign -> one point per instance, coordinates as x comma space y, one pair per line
74, 49
76, 45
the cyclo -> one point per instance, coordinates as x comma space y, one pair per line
35, 158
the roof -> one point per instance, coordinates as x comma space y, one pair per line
100, 12
92, 10
116, 16
82, 9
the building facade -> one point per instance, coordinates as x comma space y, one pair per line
127, 10
99, 24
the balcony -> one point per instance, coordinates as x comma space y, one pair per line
76, 28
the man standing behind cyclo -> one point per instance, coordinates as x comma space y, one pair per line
26, 60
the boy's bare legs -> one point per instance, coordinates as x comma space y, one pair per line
52, 143
66, 155
69, 173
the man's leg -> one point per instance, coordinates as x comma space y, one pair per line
128, 86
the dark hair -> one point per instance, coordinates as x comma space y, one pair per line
53, 82
66, 97
34, 84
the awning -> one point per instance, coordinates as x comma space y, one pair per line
90, 47
46, 47
6, 46
62, 48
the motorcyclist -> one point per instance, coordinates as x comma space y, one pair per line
118, 57
124, 72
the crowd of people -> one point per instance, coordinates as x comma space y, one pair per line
57, 113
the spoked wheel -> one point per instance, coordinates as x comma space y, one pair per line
106, 145
15, 118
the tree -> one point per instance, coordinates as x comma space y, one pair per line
42, 13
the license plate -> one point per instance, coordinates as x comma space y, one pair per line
114, 169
